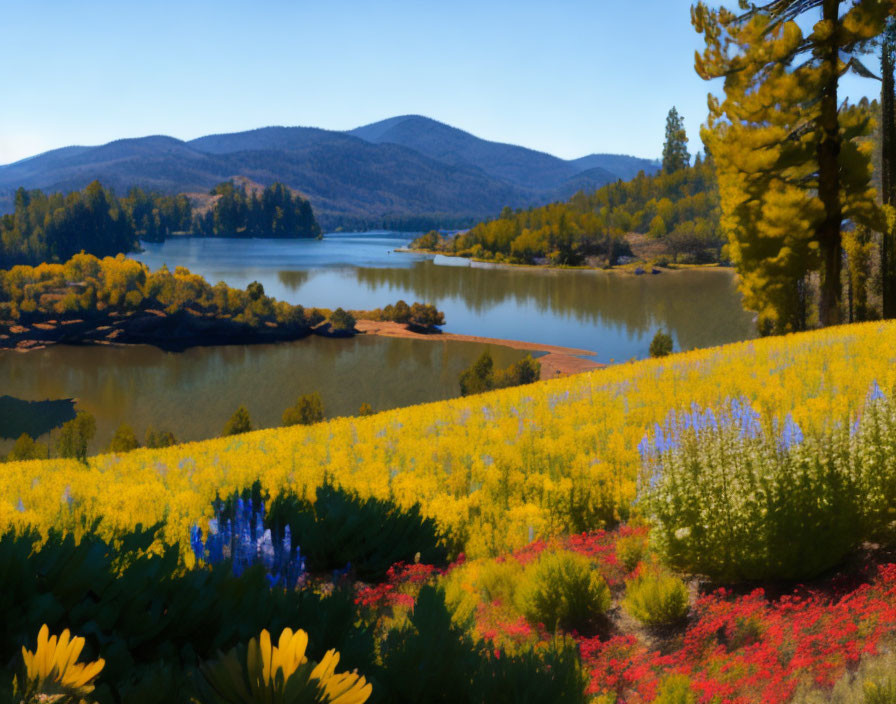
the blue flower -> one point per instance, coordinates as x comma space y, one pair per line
875, 394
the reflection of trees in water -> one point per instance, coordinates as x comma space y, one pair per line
701, 308
18, 416
294, 279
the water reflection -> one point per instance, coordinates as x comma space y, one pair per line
194, 392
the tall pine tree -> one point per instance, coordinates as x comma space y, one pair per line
888, 168
792, 168
675, 149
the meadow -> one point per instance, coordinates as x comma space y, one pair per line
630, 535
495, 470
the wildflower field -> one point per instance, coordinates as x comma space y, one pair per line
712, 527
552, 458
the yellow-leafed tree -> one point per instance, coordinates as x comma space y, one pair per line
792, 166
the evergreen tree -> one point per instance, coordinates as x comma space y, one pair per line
75, 436
888, 168
239, 423
791, 166
124, 439
675, 149
480, 377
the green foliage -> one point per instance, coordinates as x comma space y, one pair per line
365, 410
75, 435
563, 590
152, 620
239, 422
156, 216
656, 598
880, 692
26, 448
675, 148
661, 345
56, 227
341, 321
159, 438
482, 376
124, 440
675, 689
431, 659
339, 528
630, 550
87, 287
738, 503
681, 207
277, 212
793, 161
425, 316
309, 409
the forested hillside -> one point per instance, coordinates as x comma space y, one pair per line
678, 208
45, 228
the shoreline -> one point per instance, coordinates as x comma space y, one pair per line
628, 269
556, 361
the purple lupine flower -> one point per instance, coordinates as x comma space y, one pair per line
196, 543
875, 394
791, 434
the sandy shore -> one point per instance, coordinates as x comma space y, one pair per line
557, 361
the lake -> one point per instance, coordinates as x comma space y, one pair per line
613, 314
194, 392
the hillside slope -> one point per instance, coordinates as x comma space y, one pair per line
554, 457
401, 169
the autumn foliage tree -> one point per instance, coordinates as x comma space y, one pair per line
792, 167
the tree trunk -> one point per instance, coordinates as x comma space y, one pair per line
829, 175
888, 175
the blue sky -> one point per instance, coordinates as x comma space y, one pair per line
569, 77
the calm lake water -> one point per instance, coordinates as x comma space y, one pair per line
614, 315
194, 392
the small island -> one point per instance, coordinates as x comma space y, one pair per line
117, 300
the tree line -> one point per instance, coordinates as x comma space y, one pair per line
678, 206
54, 227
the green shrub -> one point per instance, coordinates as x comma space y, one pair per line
562, 590
239, 422
341, 321
675, 689
656, 598
309, 409
737, 499
75, 435
630, 550
124, 439
152, 620
340, 528
433, 659
661, 345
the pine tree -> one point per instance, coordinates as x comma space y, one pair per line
675, 149
790, 164
888, 168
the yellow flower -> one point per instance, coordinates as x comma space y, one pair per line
52, 671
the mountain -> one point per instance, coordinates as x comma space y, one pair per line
408, 168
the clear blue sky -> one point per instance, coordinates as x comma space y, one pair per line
570, 77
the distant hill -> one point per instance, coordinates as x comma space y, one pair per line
403, 169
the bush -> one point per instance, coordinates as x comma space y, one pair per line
124, 439
159, 438
75, 435
526, 371
26, 449
150, 619
562, 590
432, 659
341, 529
480, 377
425, 316
239, 422
736, 499
341, 321
656, 598
630, 550
661, 345
675, 689
309, 409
